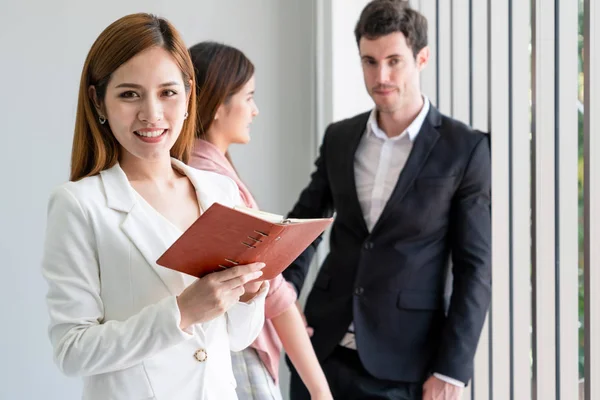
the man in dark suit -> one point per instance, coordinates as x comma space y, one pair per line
411, 191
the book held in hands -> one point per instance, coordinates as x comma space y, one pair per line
224, 237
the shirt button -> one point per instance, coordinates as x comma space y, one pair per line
200, 355
359, 291
369, 245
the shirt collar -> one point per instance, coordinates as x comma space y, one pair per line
413, 129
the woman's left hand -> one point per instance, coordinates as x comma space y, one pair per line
250, 290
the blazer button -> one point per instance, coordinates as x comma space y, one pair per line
359, 291
369, 245
200, 355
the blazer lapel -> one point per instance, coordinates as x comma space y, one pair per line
139, 227
206, 197
424, 143
357, 133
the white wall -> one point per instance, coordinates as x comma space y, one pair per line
350, 96
43, 47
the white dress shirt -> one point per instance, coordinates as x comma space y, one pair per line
378, 162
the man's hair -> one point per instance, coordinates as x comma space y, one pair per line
383, 17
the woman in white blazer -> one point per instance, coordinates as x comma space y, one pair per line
132, 329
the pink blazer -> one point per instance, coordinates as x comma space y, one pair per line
281, 295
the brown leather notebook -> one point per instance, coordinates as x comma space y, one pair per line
224, 237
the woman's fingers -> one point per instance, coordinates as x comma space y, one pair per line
241, 280
238, 272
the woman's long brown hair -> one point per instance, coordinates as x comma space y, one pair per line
94, 146
221, 71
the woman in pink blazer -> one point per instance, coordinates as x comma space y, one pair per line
225, 109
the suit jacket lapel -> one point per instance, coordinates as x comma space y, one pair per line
422, 146
139, 227
357, 133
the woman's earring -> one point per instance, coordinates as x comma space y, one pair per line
102, 119
185, 115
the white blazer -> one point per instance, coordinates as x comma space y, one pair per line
114, 318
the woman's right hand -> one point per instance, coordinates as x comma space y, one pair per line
215, 293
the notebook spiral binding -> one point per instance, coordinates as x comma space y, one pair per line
256, 240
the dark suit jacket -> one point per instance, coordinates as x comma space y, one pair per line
390, 281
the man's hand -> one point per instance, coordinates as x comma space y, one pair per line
437, 389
